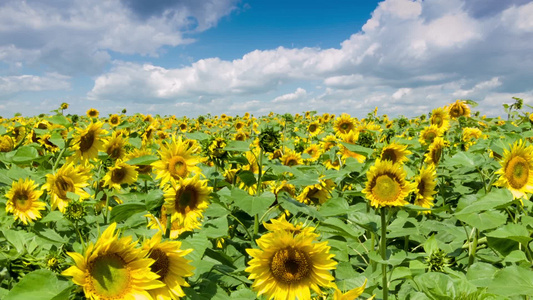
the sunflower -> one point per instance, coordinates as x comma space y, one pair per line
428, 134
281, 223
426, 182
114, 120
435, 151
283, 186
386, 184
240, 135
287, 266
186, 200
343, 124
470, 136
314, 151
291, 158
516, 173
333, 164
113, 268
23, 201
120, 173
328, 142
177, 161
170, 264
395, 152
93, 113
161, 224
239, 125
115, 146
314, 128
135, 153
6, 143
351, 138
459, 108
351, 294
440, 118
68, 178
88, 141
317, 193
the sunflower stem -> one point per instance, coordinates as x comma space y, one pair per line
169, 225
474, 247
79, 234
59, 158
106, 218
383, 250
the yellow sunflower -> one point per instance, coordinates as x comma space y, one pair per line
177, 161
426, 182
328, 142
6, 143
395, 152
351, 294
114, 120
351, 138
281, 223
428, 134
170, 264
435, 151
314, 151
291, 158
161, 224
93, 113
459, 108
115, 146
120, 173
317, 193
287, 266
516, 173
386, 184
283, 186
440, 118
87, 142
68, 178
186, 200
113, 268
23, 201
343, 125
470, 136
135, 153
314, 128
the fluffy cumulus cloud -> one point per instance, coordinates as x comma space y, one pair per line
77, 36
13, 84
409, 57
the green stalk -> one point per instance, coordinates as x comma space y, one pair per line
383, 250
169, 225
260, 167
473, 250
79, 234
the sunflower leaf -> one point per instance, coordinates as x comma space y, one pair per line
38, 285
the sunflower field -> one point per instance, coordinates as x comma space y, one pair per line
304, 206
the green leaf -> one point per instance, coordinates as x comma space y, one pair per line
216, 228
243, 294
123, 211
25, 154
239, 146
247, 177
60, 120
252, 205
143, 160
495, 198
53, 216
38, 285
485, 220
515, 232
366, 152
512, 281
481, 274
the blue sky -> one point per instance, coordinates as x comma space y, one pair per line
187, 57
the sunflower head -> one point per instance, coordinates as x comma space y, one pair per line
23, 201
343, 125
440, 118
113, 268
436, 148
288, 266
170, 264
177, 160
291, 158
386, 184
269, 139
120, 173
395, 152
114, 120
75, 211
426, 182
93, 113
89, 141
6, 143
516, 171
459, 108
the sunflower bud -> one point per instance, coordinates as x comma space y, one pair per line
437, 261
269, 140
366, 139
75, 211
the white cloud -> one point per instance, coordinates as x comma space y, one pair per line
291, 97
51, 81
76, 36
